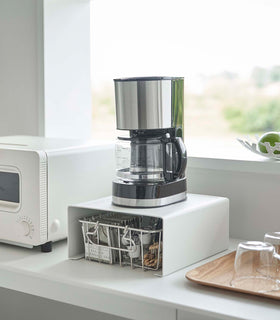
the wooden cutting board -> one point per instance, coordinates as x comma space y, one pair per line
219, 273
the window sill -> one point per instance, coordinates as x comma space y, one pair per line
229, 156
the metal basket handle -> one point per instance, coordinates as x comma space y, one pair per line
128, 239
92, 233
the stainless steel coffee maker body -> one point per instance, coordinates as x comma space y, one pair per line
151, 162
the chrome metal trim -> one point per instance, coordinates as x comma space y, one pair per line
155, 103
159, 202
143, 104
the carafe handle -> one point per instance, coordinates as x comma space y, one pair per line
182, 157
182, 160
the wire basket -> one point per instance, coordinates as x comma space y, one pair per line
125, 245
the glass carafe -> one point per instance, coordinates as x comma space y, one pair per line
143, 158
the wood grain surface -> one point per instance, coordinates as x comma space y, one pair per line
219, 273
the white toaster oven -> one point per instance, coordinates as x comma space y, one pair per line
40, 177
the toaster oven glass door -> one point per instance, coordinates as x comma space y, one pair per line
9, 191
9, 187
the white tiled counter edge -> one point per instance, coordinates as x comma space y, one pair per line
122, 292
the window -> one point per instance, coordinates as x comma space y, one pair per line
228, 51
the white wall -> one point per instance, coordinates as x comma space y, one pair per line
45, 68
20, 86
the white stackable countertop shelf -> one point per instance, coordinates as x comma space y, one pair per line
123, 292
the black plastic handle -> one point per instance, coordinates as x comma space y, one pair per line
182, 157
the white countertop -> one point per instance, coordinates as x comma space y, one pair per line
121, 291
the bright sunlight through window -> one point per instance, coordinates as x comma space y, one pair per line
228, 51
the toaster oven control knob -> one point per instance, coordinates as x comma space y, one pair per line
24, 228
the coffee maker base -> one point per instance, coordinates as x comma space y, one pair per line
149, 203
145, 195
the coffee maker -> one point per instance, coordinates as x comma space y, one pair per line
151, 160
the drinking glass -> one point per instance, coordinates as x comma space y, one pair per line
253, 267
274, 239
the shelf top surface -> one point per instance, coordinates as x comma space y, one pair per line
194, 201
173, 290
